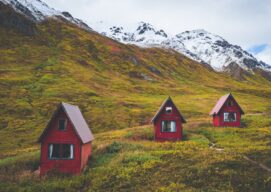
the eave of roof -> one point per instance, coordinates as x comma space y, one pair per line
162, 107
75, 116
220, 103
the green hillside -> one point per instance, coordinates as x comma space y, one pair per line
120, 86
115, 85
128, 160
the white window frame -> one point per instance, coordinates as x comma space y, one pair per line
51, 148
226, 117
172, 126
169, 110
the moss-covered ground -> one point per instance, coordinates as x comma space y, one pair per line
129, 160
119, 88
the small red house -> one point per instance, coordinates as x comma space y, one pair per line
227, 112
65, 142
168, 122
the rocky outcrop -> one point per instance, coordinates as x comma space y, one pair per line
13, 20
236, 71
38, 11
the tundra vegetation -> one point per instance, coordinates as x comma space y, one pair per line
119, 88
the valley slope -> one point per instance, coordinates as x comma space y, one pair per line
115, 85
119, 87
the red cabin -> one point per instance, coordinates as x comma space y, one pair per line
227, 112
65, 142
168, 122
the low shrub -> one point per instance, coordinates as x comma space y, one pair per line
115, 147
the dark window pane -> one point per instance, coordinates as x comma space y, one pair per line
168, 109
62, 124
226, 117
165, 126
230, 103
232, 117
168, 126
67, 151
54, 151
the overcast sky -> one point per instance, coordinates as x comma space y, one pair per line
243, 22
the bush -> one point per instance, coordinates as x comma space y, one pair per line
115, 147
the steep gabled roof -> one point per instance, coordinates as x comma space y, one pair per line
221, 103
162, 107
75, 116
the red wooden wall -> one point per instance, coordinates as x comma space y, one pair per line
68, 136
218, 120
173, 116
86, 152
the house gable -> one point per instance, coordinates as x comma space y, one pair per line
77, 120
222, 102
168, 102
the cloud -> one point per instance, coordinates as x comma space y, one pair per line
242, 22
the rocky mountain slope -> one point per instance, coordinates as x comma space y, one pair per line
38, 11
198, 45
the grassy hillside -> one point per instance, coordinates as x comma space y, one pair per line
118, 88
115, 85
128, 160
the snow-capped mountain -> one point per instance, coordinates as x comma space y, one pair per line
38, 11
199, 45
143, 35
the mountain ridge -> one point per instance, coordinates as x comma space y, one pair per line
38, 11
198, 45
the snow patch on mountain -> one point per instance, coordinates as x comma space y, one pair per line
142, 34
216, 51
198, 45
38, 11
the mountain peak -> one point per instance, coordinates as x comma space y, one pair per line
37, 11
141, 33
198, 44
143, 28
198, 31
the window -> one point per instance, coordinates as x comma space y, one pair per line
229, 117
61, 151
168, 109
168, 126
230, 103
67, 151
54, 151
62, 124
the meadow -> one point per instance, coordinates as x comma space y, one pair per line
119, 88
129, 160
116, 86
